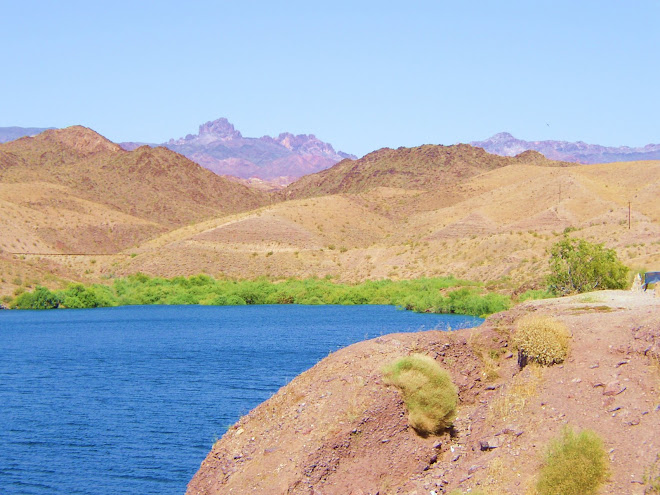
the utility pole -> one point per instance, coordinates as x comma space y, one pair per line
560, 192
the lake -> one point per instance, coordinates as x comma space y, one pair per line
129, 400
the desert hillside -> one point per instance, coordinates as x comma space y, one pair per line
424, 167
340, 429
490, 225
72, 202
73, 192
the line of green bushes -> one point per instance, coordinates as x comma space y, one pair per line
432, 295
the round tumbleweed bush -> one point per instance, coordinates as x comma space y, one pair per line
542, 339
575, 464
428, 392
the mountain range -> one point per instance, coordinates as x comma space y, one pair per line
579, 152
273, 162
75, 206
219, 147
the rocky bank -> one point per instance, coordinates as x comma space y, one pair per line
339, 429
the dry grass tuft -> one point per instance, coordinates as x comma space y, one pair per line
428, 392
575, 464
541, 339
514, 398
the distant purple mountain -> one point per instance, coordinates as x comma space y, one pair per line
222, 149
10, 133
506, 145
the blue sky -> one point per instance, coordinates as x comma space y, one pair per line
361, 75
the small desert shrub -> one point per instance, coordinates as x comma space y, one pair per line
652, 477
428, 392
542, 339
574, 464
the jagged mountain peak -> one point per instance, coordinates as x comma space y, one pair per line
221, 148
220, 128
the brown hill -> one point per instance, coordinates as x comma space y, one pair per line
339, 429
71, 191
492, 226
489, 221
423, 167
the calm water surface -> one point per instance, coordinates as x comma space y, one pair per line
129, 400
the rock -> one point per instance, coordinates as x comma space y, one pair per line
492, 387
473, 469
489, 444
613, 388
433, 459
511, 431
437, 445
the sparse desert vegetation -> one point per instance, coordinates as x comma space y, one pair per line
542, 339
574, 464
428, 392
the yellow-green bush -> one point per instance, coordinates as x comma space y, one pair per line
651, 477
575, 464
428, 392
542, 339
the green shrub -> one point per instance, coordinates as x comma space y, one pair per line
541, 339
428, 392
40, 298
578, 266
574, 464
421, 295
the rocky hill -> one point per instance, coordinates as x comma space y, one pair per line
221, 148
421, 168
340, 429
580, 152
73, 191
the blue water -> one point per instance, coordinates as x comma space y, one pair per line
129, 400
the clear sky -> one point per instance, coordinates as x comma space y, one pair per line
361, 75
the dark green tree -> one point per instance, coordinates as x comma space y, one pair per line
578, 266
41, 298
